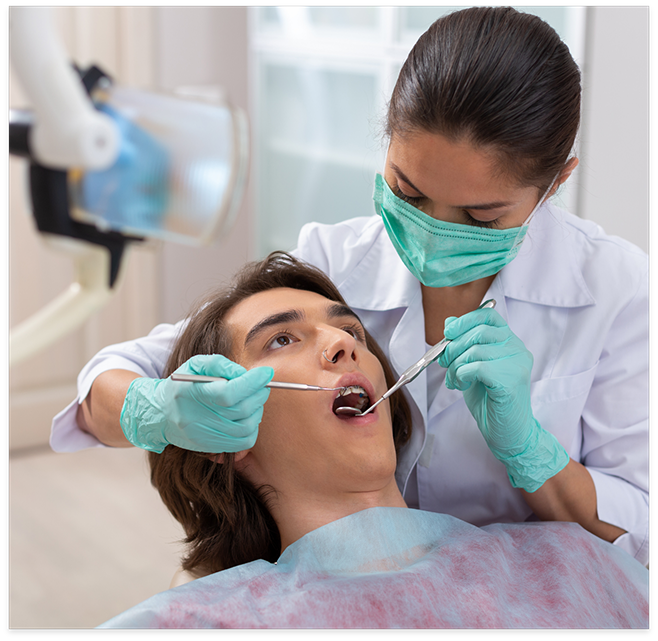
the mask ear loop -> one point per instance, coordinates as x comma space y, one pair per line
521, 235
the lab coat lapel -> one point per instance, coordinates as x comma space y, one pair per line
380, 282
407, 346
545, 263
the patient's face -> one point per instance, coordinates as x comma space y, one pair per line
302, 444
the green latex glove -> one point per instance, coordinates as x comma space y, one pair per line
204, 417
492, 367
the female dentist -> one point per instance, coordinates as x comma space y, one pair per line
540, 407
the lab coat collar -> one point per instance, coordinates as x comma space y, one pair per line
545, 271
380, 281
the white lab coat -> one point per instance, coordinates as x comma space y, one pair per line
577, 298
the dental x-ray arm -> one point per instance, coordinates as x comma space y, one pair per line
68, 131
65, 131
112, 165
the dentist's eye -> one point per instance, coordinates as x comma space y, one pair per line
480, 223
412, 200
281, 340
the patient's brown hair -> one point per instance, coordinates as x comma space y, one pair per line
225, 518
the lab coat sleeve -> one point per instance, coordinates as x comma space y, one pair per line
615, 426
146, 356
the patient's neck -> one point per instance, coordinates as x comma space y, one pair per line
299, 512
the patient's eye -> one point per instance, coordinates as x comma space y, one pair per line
281, 340
355, 331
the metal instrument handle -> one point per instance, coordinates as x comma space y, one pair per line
200, 378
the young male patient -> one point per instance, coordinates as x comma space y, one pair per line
308, 528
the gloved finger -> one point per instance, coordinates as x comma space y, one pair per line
233, 399
229, 408
479, 335
464, 372
454, 382
212, 365
241, 433
501, 356
202, 437
449, 320
501, 380
247, 384
253, 403
455, 327
247, 428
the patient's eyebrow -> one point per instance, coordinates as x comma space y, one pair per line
290, 316
338, 310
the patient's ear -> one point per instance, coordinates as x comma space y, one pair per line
219, 458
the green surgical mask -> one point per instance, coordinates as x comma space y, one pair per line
441, 254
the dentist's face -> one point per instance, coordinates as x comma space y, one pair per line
455, 182
302, 444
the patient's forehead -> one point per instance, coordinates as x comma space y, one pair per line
260, 305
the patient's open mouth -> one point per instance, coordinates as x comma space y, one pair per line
351, 401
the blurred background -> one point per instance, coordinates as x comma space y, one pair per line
88, 536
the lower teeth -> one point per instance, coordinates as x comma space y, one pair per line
360, 403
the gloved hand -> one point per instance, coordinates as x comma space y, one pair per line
492, 367
203, 417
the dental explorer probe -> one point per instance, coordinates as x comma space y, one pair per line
199, 378
410, 374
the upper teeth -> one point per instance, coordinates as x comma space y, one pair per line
353, 389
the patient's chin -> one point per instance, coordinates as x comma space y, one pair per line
373, 473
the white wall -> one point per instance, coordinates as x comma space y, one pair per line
614, 158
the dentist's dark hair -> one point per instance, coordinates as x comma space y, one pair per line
499, 79
224, 516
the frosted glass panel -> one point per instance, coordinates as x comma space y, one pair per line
317, 109
345, 17
317, 151
310, 22
296, 190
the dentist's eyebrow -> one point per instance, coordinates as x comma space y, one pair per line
401, 175
483, 207
289, 316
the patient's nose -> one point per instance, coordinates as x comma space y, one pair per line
341, 345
